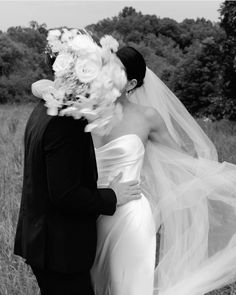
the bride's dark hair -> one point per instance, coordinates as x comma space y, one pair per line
134, 64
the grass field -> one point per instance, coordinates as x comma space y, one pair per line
15, 277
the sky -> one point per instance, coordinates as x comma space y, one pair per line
82, 13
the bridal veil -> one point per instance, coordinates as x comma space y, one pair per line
193, 200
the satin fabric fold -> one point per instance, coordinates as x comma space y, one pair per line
126, 245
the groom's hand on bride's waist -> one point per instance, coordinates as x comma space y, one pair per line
125, 191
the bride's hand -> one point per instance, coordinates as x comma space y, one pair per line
125, 191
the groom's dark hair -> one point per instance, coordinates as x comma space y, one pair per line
49, 60
134, 64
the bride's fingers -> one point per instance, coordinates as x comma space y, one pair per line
117, 178
133, 182
136, 192
134, 187
135, 197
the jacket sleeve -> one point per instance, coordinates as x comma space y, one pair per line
63, 156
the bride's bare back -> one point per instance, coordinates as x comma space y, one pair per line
134, 121
143, 121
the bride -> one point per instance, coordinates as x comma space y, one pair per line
188, 196
125, 259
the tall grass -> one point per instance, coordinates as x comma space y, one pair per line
15, 277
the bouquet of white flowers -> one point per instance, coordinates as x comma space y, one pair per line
88, 78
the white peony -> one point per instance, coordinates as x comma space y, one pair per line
114, 94
62, 63
53, 34
105, 79
66, 35
108, 42
83, 44
116, 74
120, 79
74, 32
60, 94
56, 46
87, 69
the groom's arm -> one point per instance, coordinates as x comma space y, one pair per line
64, 155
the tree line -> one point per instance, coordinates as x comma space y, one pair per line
195, 58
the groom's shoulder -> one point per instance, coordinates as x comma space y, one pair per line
53, 126
64, 127
66, 123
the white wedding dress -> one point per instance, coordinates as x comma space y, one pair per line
126, 246
125, 259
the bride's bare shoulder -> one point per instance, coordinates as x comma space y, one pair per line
146, 111
152, 115
154, 119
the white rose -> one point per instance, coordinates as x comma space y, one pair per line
116, 74
120, 79
74, 32
53, 34
66, 35
106, 55
83, 44
107, 82
60, 93
115, 93
104, 80
108, 42
96, 85
62, 63
55, 45
106, 77
87, 69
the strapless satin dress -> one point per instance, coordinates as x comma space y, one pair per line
125, 258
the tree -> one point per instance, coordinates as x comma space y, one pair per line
199, 29
33, 36
10, 54
228, 23
21, 61
170, 28
127, 11
198, 75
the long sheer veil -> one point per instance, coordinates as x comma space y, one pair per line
193, 198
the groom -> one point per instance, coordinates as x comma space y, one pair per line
56, 231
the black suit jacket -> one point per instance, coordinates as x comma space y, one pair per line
60, 200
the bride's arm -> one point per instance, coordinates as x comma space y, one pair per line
159, 132
40, 86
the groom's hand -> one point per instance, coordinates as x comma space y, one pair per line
125, 191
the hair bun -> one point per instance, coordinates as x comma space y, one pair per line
134, 64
